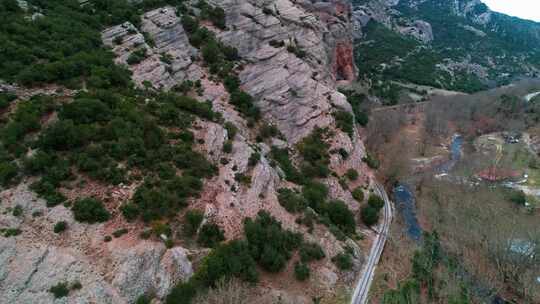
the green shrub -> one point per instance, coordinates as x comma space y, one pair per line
227, 146
270, 245
75, 285
143, 299
163, 199
243, 103
277, 43
369, 215
343, 261
375, 202
90, 210
281, 156
182, 293
254, 159
190, 24
518, 198
39, 162
137, 56
291, 201
301, 271
358, 194
9, 232
362, 118
310, 252
130, 211
315, 194
297, 51
352, 174
193, 220
17, 211
6, 99
63, 135
232, 130
372, 162
8, 172
211, 52
314, 151
228, 260
193, 163
85, 110
60, 227
210, 235
118, 233
224, 262
268, 131
214, 14
344, 121
243, 179
59, 290
340, 215
47, 191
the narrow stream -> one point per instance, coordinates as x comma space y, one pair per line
404, 196
405, 201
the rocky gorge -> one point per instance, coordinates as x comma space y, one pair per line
293, 82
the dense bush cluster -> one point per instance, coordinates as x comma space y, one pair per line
99, 131
80, 55
266, 244
291, 201
60, 227
228, 260
193, 220
6, 99
90, 210
281, 156
343, 261
214, 14
357, 100
314, 151
301, 271
358, 194
371, 161
210, 235
370, 213
344, 121
270, 245
310, 252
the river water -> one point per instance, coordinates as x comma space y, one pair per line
404, 196
406, 204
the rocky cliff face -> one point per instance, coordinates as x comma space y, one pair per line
294, 54
115, 272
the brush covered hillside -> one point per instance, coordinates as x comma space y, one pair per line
457, 45
169, 151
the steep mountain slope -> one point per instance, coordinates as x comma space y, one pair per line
134, 152
458, 45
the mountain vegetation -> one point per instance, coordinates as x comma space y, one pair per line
471, 48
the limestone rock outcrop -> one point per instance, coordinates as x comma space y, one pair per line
168, 60
115, 272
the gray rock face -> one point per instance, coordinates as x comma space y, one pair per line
169, 54
115, 272
294, 93
151, 268
418, 29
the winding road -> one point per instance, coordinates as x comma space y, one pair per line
361, 291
